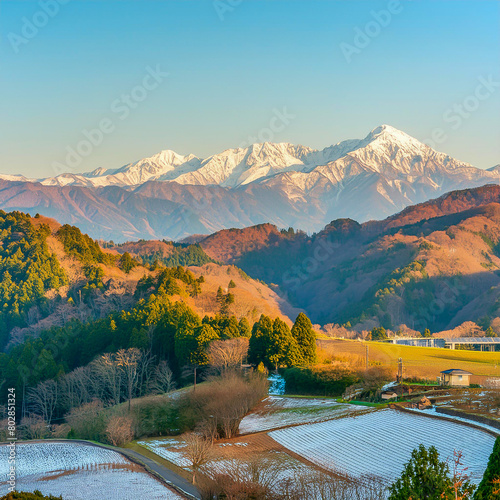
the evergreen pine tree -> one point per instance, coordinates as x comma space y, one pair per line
282, 348
127, 263
490, 332
244, 328
303, 333
261, 332
489, 487
425, 476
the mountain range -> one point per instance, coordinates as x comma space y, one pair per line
172, 196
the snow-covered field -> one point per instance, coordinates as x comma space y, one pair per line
170, 449
379, 443
282, 411
80, 472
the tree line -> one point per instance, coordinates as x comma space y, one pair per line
163, 329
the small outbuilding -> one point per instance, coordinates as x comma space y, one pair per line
455, 377
386, 395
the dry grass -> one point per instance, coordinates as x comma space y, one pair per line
252, 298
422, 362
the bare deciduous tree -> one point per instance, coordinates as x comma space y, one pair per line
106, 369
128, 360
162, 381
225, 401
226, 354
43, 399
145, 371
76, 388
198, 451
119, 430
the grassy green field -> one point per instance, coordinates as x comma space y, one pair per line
424, 362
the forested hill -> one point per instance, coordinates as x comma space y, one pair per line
52, 274
163, 253
434, 265
28, 271
68, 301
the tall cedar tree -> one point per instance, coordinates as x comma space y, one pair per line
127, 263
244, 328
303, 333
489, 487
191, 344
261, 333
282, 349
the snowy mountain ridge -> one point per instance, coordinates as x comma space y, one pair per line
172, 196
385, 150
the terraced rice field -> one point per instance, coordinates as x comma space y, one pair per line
235, 456
379, 443
277, 412
80, 472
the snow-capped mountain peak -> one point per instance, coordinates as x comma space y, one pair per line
385, 151
280, 183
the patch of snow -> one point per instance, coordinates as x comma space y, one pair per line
433, 411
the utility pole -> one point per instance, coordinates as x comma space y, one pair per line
366, 356
400, 370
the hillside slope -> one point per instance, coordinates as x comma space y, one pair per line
434, 265
52, 273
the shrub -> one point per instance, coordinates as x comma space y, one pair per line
34, 427
119, 430
21, 495
159, 416
321, 381
88, 421
221, 404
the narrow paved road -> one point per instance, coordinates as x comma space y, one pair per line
169, 476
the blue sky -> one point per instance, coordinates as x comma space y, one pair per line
233, 67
